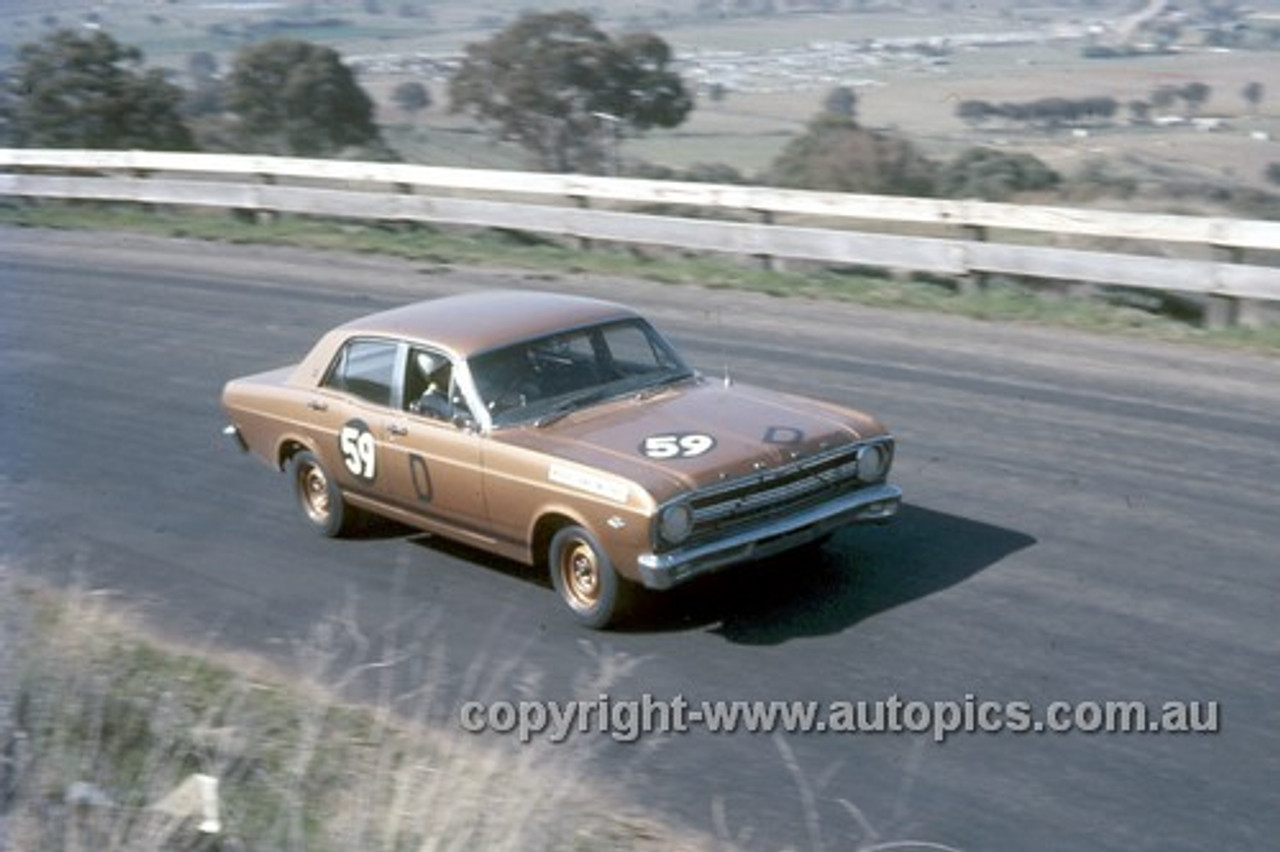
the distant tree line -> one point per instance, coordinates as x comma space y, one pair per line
1193, 96
1054, 113
1048, 113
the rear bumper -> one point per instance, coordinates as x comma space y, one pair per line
664, 570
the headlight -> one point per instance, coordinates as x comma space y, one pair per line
873, 462
675, 523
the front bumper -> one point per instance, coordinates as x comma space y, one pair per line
664, 570
233, 436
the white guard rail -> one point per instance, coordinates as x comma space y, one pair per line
557, 204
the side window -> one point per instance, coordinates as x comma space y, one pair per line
426, 381
365, 368
430, 388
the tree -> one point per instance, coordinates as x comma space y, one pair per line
294, 97
411, 96
206, 94
841, 101
202, 65
836, 154
994, 175
1252, 93
1099, 108
1195, 94
1052, 113
89, 91
975, 112
1164, 97
563, 90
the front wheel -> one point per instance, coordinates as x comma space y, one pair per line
584, 577
318, 496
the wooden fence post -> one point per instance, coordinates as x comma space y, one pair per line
768, 262
1223, 311
583, 203
973, 282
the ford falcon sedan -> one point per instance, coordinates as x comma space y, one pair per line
563, 432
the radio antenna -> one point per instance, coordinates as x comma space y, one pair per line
724, 352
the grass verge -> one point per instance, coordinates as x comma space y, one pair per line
1001, 300
106, 718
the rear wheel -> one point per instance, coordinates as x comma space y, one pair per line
318, 496
584, 577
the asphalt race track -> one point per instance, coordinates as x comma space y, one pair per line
1088, 519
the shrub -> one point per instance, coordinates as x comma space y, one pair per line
994, 175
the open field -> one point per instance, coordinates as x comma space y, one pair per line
446, 25
747, 130
775, 69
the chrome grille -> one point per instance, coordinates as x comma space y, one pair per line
774, 493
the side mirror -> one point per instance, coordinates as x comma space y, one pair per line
462, 416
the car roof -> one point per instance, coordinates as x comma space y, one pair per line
475, 322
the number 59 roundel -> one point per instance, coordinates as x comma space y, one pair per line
359, 450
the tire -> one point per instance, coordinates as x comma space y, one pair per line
584, 578
319, 497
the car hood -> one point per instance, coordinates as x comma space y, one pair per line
695, 435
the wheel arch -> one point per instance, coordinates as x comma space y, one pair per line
550, 522
289, 447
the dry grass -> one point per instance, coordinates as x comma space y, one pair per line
102, 718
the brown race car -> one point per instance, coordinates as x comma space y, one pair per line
558, 431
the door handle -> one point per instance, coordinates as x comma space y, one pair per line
318, 405
397, 429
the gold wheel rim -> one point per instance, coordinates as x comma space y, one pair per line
313, 486
580, 575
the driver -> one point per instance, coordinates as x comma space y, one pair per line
433, 374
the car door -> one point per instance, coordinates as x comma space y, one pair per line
352, 408
431, 444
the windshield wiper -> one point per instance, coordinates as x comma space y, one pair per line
564, 409
572, 404
653, 389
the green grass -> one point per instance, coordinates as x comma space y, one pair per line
1000, 300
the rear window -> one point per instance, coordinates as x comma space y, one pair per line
366, 369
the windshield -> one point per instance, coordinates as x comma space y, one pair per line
546, 378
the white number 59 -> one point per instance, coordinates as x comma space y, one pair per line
677, 446
359, 452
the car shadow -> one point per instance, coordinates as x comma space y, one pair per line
379, 528
824, 590
813, 591
468, 553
